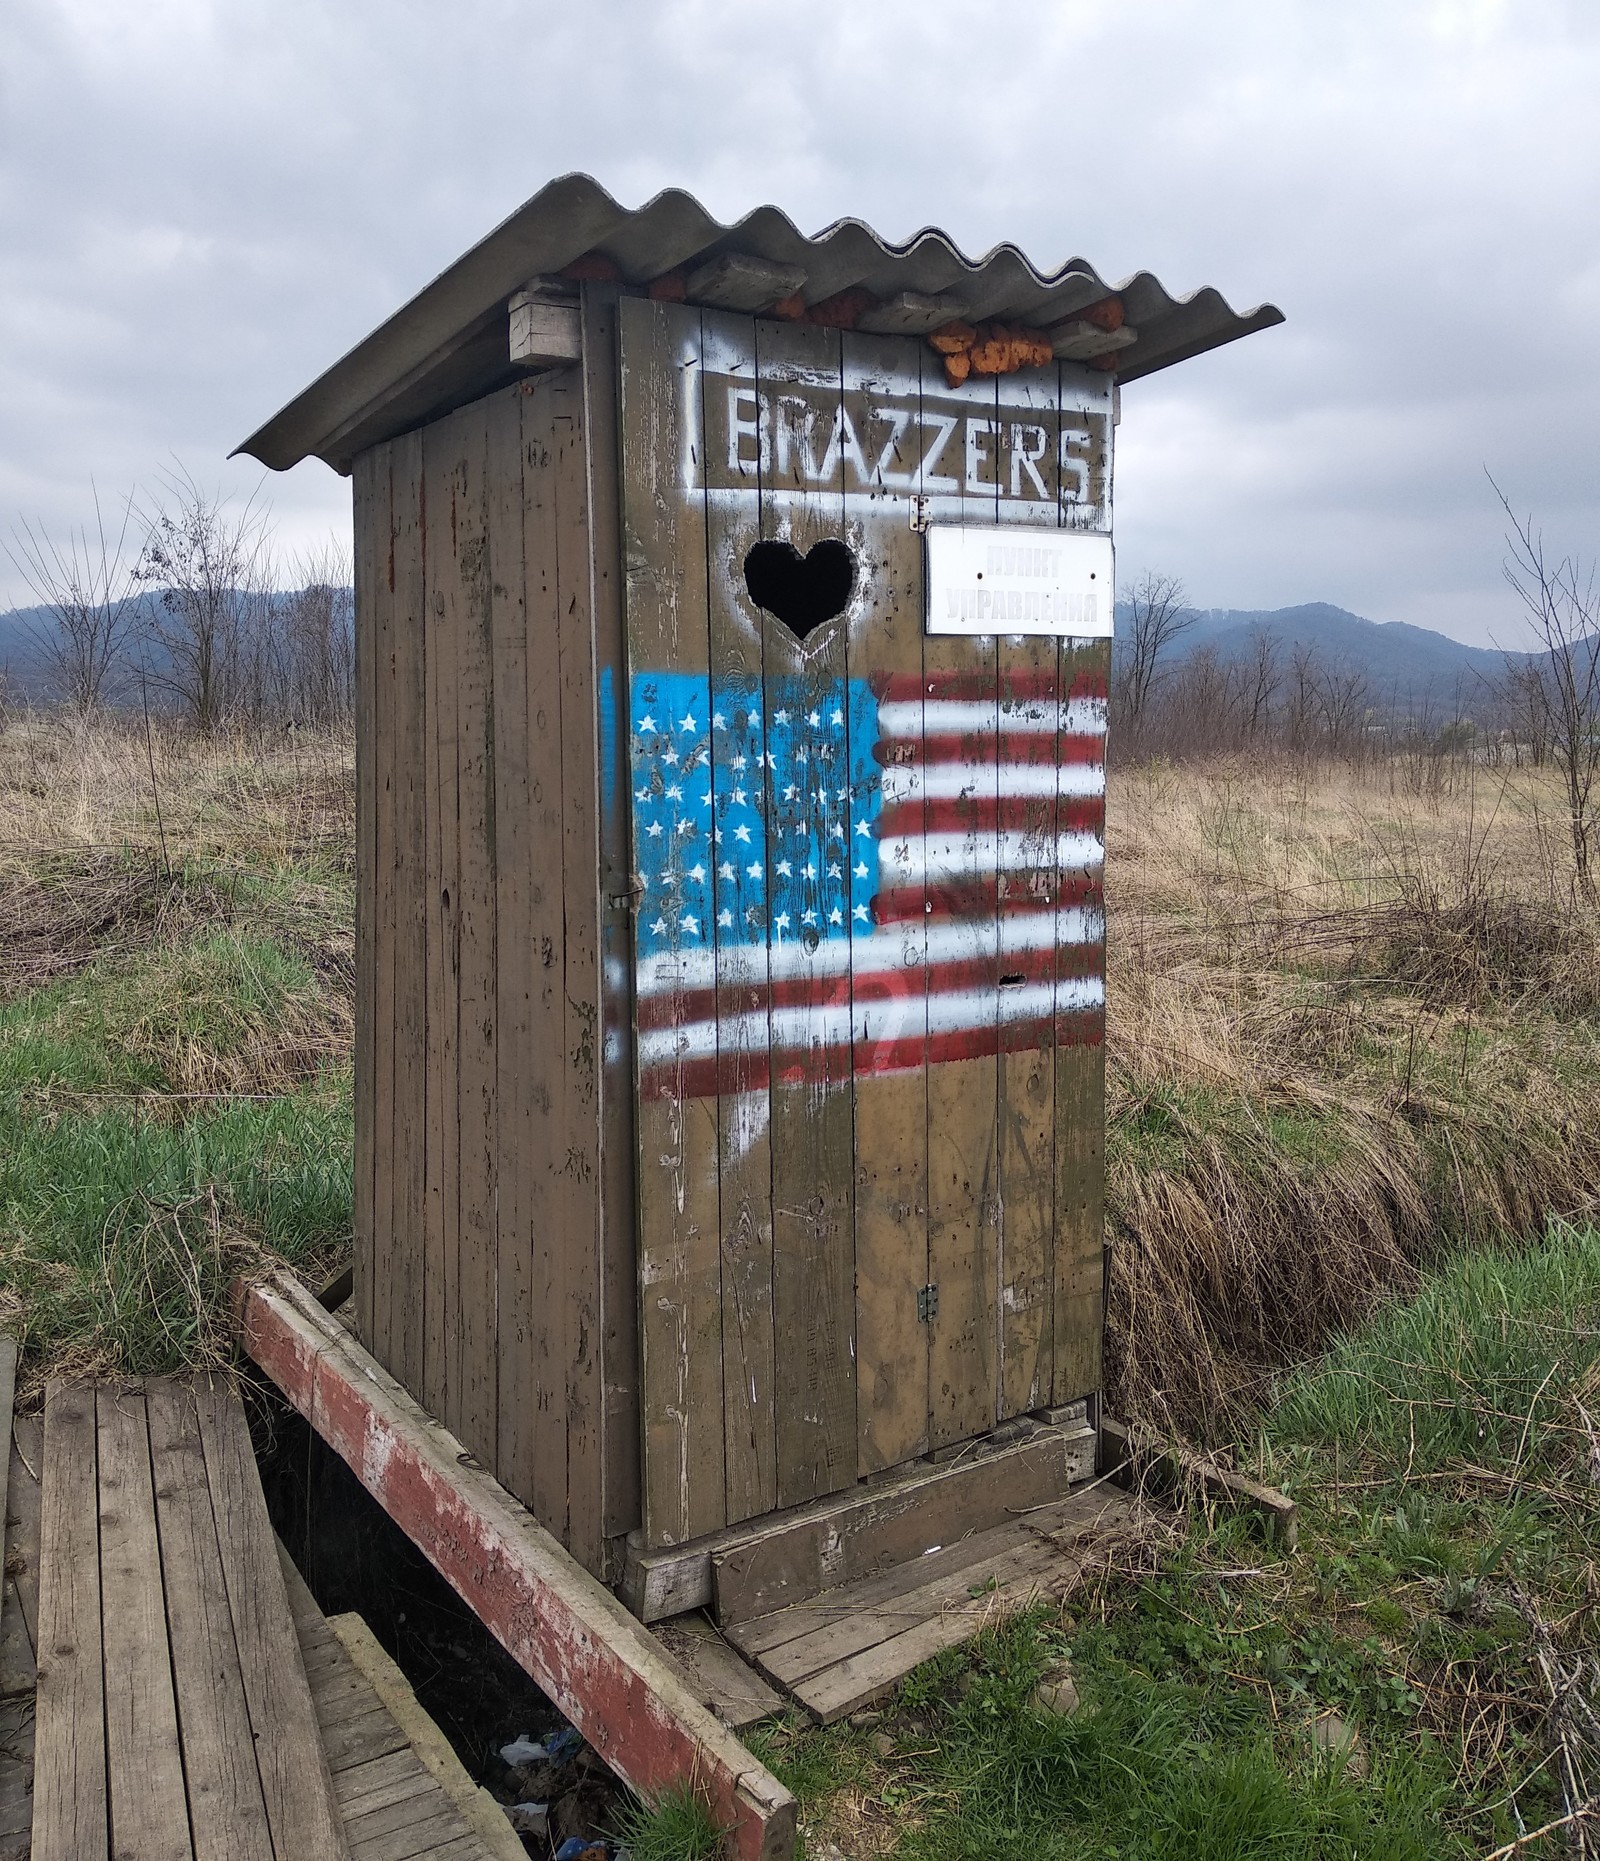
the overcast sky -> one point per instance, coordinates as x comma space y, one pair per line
202, 205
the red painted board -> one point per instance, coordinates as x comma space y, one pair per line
567, 1631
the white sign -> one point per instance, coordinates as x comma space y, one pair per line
1014, 578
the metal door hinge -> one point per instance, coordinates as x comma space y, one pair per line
927, 1303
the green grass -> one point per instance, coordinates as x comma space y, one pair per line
1440, 1464
676, 1827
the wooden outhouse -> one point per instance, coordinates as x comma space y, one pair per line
734, 616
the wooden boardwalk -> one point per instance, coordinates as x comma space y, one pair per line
193, 1701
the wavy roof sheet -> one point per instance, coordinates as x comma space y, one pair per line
449, 344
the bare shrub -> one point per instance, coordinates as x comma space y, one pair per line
86, 587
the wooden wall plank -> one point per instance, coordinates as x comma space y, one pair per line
579, 1204
228, 1815
407, 917
744, 1150
477, 1401
963, 1183
813, 1188
1079, 1314
70, 1820
619, 1322
518, 1065
370, 518
1029, 741
148, 1811
540, 1467
441, 1370
891, 1007
679, 1259
382, 1076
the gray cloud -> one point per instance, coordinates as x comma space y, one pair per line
201, 205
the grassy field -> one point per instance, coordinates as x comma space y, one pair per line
1353, 1063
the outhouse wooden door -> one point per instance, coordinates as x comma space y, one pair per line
868, 923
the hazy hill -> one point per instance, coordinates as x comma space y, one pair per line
1408, 662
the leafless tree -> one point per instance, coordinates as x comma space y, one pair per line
209, 565
1525, 705
85, 587
1263, 677
1341, 697
301, 658
1562, 600
1157, 615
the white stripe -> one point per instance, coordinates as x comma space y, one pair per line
880, 954
799, 1028
961, 781
912, 859
950, 717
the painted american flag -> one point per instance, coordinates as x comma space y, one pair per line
846, 874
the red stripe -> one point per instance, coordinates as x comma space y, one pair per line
907, 687
710, 1077
656, 1013
1027, 813
982, 898
1036, 747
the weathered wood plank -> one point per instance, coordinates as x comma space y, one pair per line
1078, 1301
149, 1815
477, 1403
722, 1682
22, 1516
442, 1318
891, 1012
619, 1323
227, 1813
295, 1783
404, 1162
680, 1269
813, 1187
16, 1778
963, 1180
577, 1210
521, 1065
738, 898
784, 1566
559, 1624
533, 1332
370, 514
70, 1821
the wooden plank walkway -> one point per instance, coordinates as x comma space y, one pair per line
850, 1645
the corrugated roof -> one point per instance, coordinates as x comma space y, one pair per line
449, 344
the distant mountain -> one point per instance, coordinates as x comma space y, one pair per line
1409, 663
20, 661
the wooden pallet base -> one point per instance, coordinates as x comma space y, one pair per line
852, 1644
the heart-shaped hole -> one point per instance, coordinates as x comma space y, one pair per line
803, 591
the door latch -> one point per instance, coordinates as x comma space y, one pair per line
927, 1303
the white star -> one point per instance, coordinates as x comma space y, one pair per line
810, 870
863, 831
802, 756
841, 794
820, 797
725, 919
654, 830
791, 793
697, 873
705, 799
783, 869
769, 759
781, 921
674, 793
752, 871
659, 928
718, 722
861, 913
670, 757
647, 726
780, 717
838, 717
688, 724
836, 916
641, 794
833, 870
814, 719
739, 798
726, 871
836, 831
690, 923
742, 834
860, 870
737, 765
684, 827
808, 917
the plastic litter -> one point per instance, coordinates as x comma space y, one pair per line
581, 1848
556, 1749
529, 1818
522, 1750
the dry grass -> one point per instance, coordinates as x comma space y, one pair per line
1348, 1024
